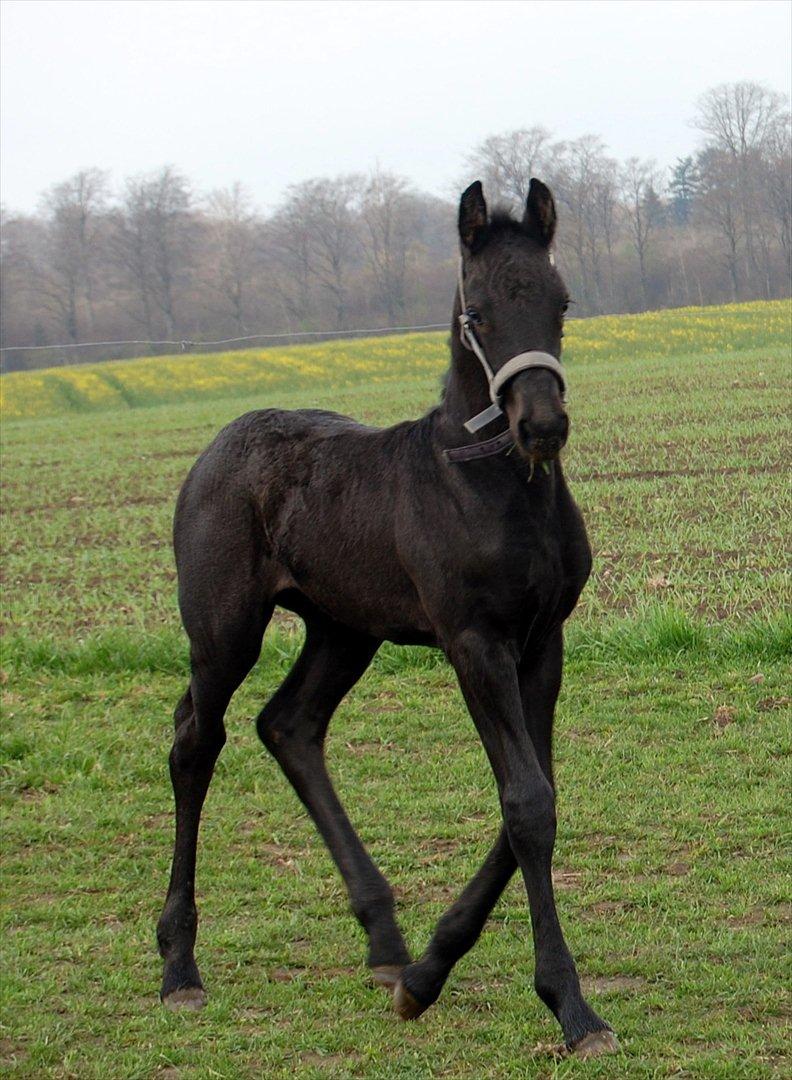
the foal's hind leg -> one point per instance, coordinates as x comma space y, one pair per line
292, 726
219, 664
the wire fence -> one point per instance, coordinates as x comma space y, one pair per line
184, 345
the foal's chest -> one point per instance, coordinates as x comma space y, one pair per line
523, 560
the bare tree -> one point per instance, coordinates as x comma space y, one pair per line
234, 252
720, 206
506, 163
583, 180
607, 212
741, 119
777, 183
324, 214
72, 211
24, 316
287, 239
386, 237
152, 241
639, 180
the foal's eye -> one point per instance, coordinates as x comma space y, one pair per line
473, 315
565, 307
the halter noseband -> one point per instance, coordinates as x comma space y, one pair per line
497, 379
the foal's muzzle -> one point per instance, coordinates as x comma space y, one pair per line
537, 417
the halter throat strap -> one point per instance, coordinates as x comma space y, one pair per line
475, 450
497, 380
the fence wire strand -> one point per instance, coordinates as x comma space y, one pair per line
186, 344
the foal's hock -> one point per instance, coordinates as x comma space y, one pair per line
456, 531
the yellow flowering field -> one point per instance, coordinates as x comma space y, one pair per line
158, 380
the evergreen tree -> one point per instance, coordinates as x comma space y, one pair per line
683, 187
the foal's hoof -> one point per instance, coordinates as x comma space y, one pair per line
405, 1004
595, 1044
188, 999
386, 975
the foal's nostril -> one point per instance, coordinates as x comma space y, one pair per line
557, 429
544, 439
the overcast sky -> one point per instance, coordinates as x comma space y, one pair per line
271, 93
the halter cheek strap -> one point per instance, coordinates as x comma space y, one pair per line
497, 380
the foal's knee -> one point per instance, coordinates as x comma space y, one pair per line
292, 735
279, 734
530, 817
196, 747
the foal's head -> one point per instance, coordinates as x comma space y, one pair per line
516, 302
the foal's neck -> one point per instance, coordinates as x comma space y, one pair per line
466, 393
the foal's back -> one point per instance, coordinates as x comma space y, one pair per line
311, 503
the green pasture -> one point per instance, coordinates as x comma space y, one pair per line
672, 863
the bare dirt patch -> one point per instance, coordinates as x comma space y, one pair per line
33, 794
362, 747
754, 917
335, 972
567, 879
335, 1062
723, 716
163, 455
609, 984
659, 474
385, 702
11, 1052
769, 703
609, 907
284, 974
438, 850
78, 503
285, 858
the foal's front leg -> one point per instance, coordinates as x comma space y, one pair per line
488, 676
460, 927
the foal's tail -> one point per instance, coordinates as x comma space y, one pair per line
225, 576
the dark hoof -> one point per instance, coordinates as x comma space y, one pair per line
595, 1044
386, 975
405, 1004
188, 999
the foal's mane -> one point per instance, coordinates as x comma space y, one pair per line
502, 223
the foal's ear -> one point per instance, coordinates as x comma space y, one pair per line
472, 216
539, 220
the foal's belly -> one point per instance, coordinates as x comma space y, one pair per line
355, 577
366, 586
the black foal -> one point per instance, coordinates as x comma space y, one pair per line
456, 531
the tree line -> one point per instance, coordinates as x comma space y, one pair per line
154, 262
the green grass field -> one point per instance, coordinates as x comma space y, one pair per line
673, 739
